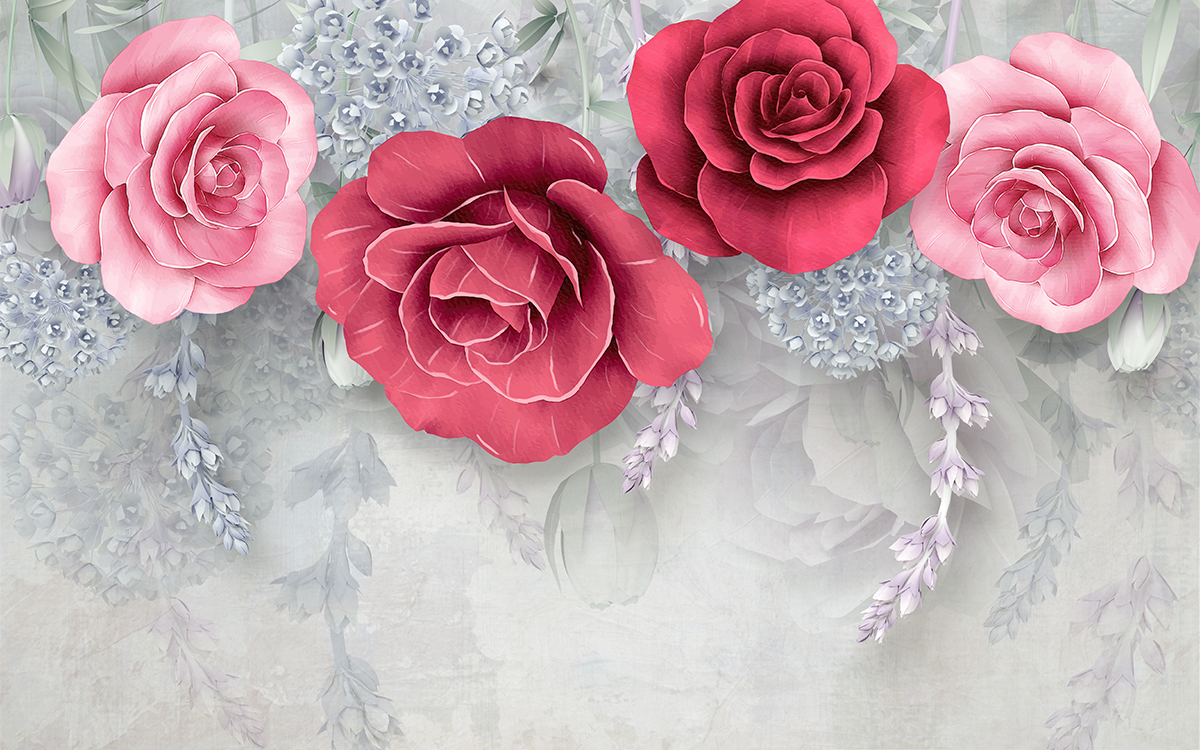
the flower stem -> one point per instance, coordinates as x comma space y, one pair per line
12, 42
951, 33
596, 449
229, 12
639, 31
583, 71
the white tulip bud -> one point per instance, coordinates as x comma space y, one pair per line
329, 347
1137, 330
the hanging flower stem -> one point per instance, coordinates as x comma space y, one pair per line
952, 33
583, 68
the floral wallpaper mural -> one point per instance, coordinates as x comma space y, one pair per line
627, 374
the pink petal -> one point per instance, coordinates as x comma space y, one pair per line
153, 292
1077, 274
121, 152
1020, 128
216, 246
522, 433
660, 321
394, 257
656, 99
75, 178
429, 348
207, 74
678, 217
208, 299
176, 137
789, 229
340, 236
984, 85
1175, 215
1029, 302
916, 120
375, 340
971, 178
576, 338
274, 176
258, 112
164, 49
1012, 265
299, 138
1091, 195
154, 226
1090, 77
939, 232
1133, 248
278, 247
1101, 136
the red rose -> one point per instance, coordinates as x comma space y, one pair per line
497, 293
783, 129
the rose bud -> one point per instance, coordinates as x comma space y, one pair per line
609, 537
22, 148
1137, 330
329, 349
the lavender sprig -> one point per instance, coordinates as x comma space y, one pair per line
661, 438
1124, 614
502, 509
924, 550
189, 642
196, 457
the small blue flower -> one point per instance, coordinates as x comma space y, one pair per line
389, 27
421, 10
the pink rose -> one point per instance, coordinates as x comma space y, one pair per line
181, 179
1056, 187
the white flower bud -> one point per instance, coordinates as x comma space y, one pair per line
22, 148
330, 345
1137, 330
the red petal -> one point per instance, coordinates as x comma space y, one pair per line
707, 117
656, 99
678, 217
516, 153
465, 321
520, 266
772, 173
340, 236
523, 433
661, 320
871, 32
429, 348
394, 257
817, 20
915, 123
422, 176
458, 276
790, 230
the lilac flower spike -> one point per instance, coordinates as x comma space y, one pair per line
924, 550
661, 438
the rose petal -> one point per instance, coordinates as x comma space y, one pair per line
857, 146
576, 338
916, 121
536, 218
656, 99
970, 180
789, 230
154, 226
1090, 77
151, 291
394, 257
520, 266
278, 247
816, 20
1019, 128
1091, 195
458, 276
175, 138
429, 348
871, 32
984, 85
1132, 249
299, 138
1029, 302
208, 299
216, 245
255, 111
522, 433
152, 56
247, 212
661, 320
122, 153
1012, 265
1100, 136
707, 117
375, 340
940, 234
548, 152
207, 74
1076, 275
422, 176
465, 321
1175, 214
340, 236
75, 178
508, 346
852, 63
678, 217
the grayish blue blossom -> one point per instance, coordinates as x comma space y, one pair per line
863, 310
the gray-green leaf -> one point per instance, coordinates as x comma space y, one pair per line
65, 67
618, 112
1156, 47
45, 11
907, 17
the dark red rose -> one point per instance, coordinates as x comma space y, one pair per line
783, 129
497, 293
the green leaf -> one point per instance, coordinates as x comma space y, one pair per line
296, 11
550, 51
267, 51
1190, 120
907, 17
65, 67
118, 7
45, 11
545, 7
596, 89
618, 112
532, 32
1156, 47
321, 193
550, 529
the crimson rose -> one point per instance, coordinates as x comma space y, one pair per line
497, 293
783, 129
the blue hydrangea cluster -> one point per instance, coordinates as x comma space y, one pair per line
847, 318
56, 325
372, 75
